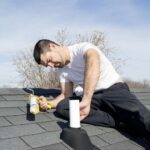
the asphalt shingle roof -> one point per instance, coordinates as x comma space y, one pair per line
19, 130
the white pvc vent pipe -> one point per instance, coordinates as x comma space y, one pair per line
74, 113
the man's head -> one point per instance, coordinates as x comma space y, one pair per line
48, 53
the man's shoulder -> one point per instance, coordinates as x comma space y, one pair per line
80, 44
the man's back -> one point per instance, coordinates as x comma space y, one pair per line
74, 71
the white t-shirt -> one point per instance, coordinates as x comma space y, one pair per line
74, 71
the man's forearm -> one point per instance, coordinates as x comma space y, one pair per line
91, 76
55, 101
90, 82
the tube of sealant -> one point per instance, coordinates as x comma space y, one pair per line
74, 113
34, 106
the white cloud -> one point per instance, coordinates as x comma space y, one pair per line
9, 76
131, 41
23, 23
133, 45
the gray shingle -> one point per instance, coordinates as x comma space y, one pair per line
12, 91
24, 109
22, 119
16, 131
7, 104
4, 91
107, 129
13, 144
17, 91
48, 112
126, 145
50, 126
53, 117
92, 130
112, 137
97, 141
143, 97
43, 139
145, 102
147, 106
10, 111
15, 97
58, 146
43, 133
140, 90
1, 98
4, 122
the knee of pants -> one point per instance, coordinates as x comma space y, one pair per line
146, 122
61, 107
133, 108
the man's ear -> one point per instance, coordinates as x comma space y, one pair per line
51, 45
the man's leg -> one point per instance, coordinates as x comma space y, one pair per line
127, 108
96, 116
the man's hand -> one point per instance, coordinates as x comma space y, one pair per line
43, 102
84, 109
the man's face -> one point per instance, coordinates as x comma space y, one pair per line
52, 59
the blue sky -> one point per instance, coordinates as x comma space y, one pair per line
126, 24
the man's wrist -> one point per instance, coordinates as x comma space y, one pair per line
86, 100
52, 103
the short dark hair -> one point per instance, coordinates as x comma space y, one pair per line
40, 47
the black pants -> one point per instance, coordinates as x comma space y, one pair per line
113, 105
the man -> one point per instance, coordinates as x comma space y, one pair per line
106, 99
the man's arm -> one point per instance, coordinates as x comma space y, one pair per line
66, 91
91, 76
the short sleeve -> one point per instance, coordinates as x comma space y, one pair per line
87, 46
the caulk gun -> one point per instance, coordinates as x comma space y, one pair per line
34, 103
